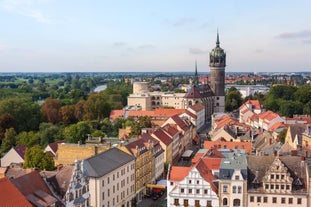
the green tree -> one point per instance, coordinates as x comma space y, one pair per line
6, 122
29, 139
68, 114
77, 132
307, 108
290, 108
48, 133
282, 135
9, 140
25, 113
35, 157
106, 126
233, 99
142, 122
303, 94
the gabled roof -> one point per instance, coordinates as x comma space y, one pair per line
35, 190
10, 195
197, 107
277, 125
139, 145
199, 91
54, 145
162, 136
268, 115
206, 173
106, 162
255, 104
296, 129
178, 173
170, 129
180, 122
191, 114
20, 150
59, 179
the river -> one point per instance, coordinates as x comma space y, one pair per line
100, 88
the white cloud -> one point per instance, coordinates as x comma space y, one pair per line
27, 8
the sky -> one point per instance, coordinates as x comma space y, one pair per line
153, 35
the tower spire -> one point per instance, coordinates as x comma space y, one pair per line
196, 78
217, 41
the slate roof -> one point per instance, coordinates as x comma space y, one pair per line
20, 150
106, 162
199, 91
10, 195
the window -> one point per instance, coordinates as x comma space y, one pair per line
197, 191
205, 191
190, 190
277, 187
265, 199
108, 192
172, 183
225, 189
274, 199
225, 201
282, 187
103, 183
272, 187
197, 203
290, 200
236, 202
283, 200
282, 177
103, 195
277, 177
234, 189
113, 177
272, 176
189, 181
186, 202
176, 202
258, 199
267, 186
251, 199
237, 177
198, 182
208, 203
298, 200
239, 189
182, 190
287, 187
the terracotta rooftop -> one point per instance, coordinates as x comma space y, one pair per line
170, 129
114, 114
255, 104
178, 173
197, 107
180, 122
247, 146
207, 174
35, 190
10, 195
277, 125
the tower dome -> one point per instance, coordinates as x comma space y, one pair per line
217, 55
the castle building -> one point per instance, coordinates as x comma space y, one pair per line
212, 95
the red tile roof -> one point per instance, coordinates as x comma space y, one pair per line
168, 112
10, 195
277, 125
33, 184
247, 146
162, 136
206, 174
170, 129
178, 173
197, 107
255, 104
181, 123
114, 114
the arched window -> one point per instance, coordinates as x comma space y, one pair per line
236, 202
225, 201
234, 189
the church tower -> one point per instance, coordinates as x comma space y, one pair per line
217, 66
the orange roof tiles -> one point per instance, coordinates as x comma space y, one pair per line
247, 146
178, 173
168, 112
197, 107
114, 114
207, 174
10, 195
